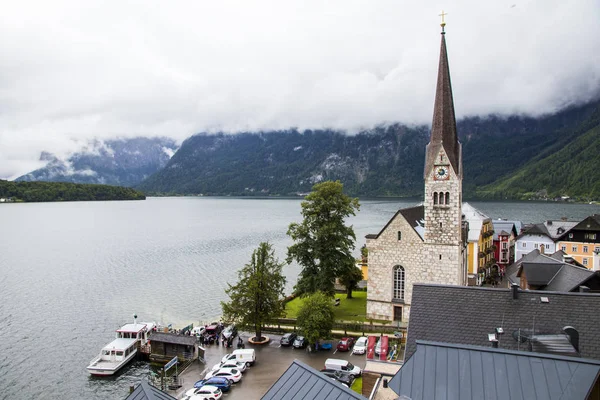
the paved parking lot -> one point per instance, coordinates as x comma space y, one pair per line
271, 361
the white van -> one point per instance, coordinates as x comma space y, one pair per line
241, 355
342, 365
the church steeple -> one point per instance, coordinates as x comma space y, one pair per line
443, 127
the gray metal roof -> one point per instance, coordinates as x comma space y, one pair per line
172, 338
145, 391
446, 371
301, 381
490, 308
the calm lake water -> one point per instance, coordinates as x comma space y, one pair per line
71, 273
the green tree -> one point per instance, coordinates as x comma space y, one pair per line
323, 243
315, 318
350, 279
256, 298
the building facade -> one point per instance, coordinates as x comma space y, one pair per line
423, 243
582, 242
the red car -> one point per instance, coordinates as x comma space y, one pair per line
345, 344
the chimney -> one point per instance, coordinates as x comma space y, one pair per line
515, 291
583, 289
549, 222
385, 383
573, 336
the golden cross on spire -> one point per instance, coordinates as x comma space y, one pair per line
443, 24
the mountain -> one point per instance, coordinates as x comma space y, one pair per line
384, 161
124, 162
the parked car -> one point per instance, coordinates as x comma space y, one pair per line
340, 376
360, 347
231, 364
241, 355
345, 344
343, 365
230, 332
198, 331
233, 374
204, 393
300, 342
217, 381
378, 346
288, 339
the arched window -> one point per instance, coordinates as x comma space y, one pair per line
399, 279
435, 198
447, 198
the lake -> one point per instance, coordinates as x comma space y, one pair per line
71, 273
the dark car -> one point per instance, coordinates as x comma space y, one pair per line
345, 344
222, 383
288, 339
230, 332
339, 376
300, 342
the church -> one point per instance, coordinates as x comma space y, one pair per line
423, 243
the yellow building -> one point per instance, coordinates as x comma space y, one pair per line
480, 253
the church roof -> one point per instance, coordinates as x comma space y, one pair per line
443, 126
413, 215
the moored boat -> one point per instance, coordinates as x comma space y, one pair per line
122, 349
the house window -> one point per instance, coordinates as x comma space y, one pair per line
524, 245
585, 249
399, 235
399, 282
435, 198
570, 236
574, 249
547, 247
536, 246
596, 249
397, 313
591, 236
504, 246
563, 248
585, 261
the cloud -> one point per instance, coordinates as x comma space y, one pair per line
71, 71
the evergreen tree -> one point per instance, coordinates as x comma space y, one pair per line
323, 243
256, 298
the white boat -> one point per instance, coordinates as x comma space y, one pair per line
123, 349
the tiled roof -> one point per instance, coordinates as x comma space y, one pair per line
144, 391
459, 314
301, 381
570, 277
540, 273
591, 224
446, 371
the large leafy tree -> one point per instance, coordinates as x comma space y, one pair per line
315, 318
350, 279
323, 243
256, 298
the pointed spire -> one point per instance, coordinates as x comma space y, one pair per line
443, 127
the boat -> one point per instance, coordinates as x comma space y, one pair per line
122, 349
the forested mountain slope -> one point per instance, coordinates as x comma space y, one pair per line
384, 161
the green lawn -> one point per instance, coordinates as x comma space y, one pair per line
357, 385
353, 309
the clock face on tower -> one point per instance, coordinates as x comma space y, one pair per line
441, 173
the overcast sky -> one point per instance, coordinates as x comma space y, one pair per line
75, 70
